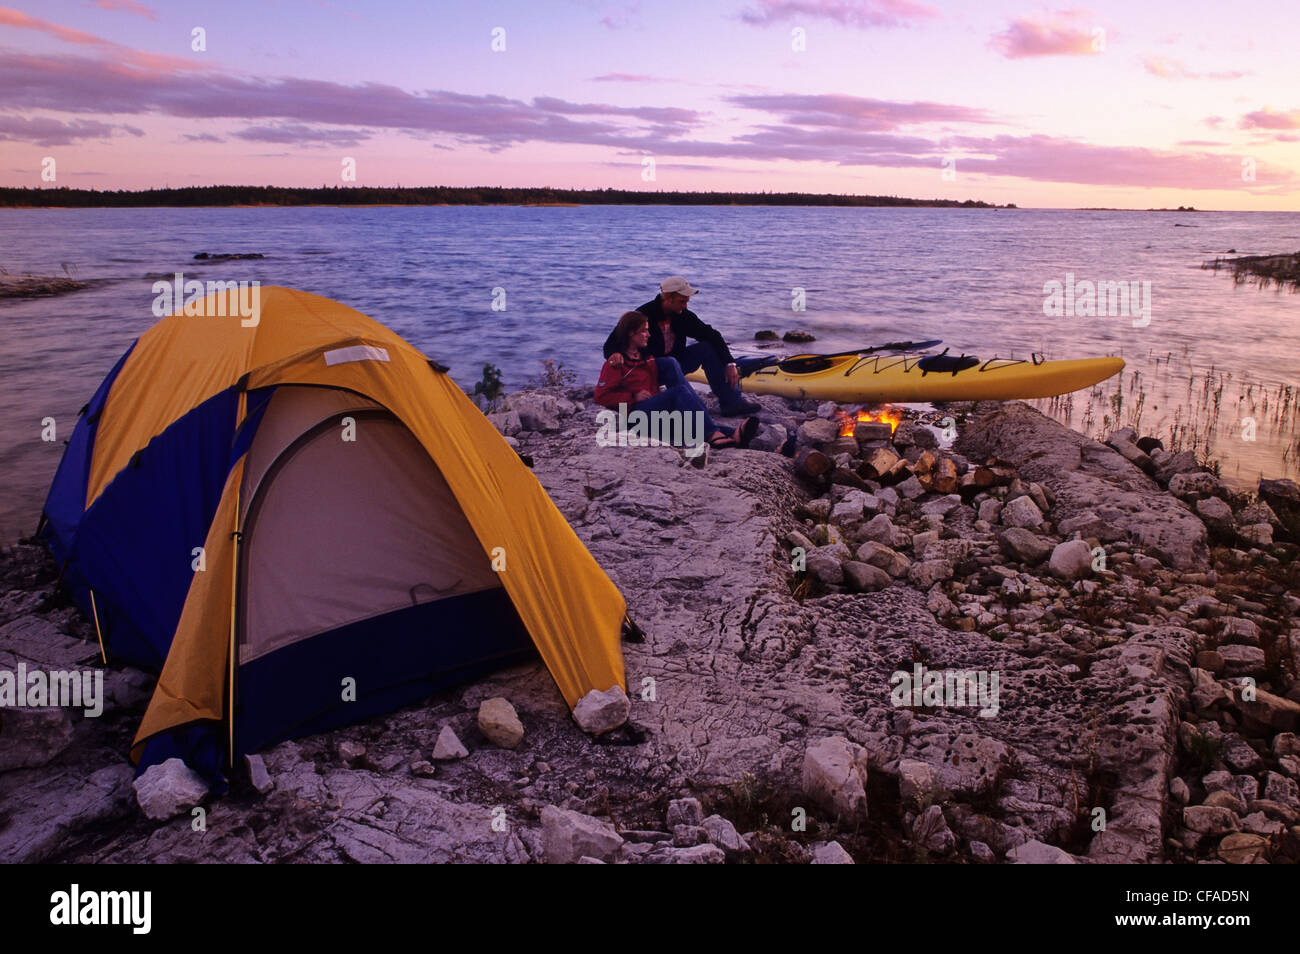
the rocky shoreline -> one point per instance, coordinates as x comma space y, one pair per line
1139, 619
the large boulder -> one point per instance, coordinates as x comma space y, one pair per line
1039, 853
864, 578
1195, 484
826, 563
1280, 493
1214, 512
925, 574
499, 723
686, 812
568, 836
1071, 560
723, 834
167, 789
536, 411
831, 853
1024, 545
507, 422
599, 712
835, 777
1022, 512
884, 557
816, 433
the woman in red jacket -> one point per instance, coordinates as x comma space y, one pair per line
636, 382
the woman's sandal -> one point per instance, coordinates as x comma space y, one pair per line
739, 437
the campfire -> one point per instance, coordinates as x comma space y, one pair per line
885, 415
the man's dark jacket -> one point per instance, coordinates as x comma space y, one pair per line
686, 325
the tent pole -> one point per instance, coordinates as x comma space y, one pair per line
234, 606
94, 613
234, 592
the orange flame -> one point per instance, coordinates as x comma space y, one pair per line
885, 415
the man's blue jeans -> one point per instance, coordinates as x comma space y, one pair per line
702, 354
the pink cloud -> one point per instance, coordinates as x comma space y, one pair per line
629, 78
1049, 159
1064, 33
157, 61
1167, 68
854, 13
1269, 118
128, 6
21, 21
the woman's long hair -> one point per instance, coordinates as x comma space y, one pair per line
627, 326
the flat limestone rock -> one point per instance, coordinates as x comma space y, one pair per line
37, 641
737, 677
55, 806
33, 736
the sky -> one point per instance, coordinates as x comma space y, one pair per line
1117, 104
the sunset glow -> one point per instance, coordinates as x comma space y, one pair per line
1115, 105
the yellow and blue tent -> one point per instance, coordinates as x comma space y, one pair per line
302, 522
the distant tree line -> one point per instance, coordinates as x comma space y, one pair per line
64, 197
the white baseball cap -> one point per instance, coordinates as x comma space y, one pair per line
675, 283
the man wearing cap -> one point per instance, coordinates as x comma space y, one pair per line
671, 323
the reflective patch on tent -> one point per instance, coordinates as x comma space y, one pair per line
355, 353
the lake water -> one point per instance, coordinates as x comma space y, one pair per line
1211, 354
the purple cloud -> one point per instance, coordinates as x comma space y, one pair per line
852, 13
857, 112
54, 132
847, 131
298, 134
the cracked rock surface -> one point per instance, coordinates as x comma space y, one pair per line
746, 665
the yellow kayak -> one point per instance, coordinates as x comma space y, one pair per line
907, 378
